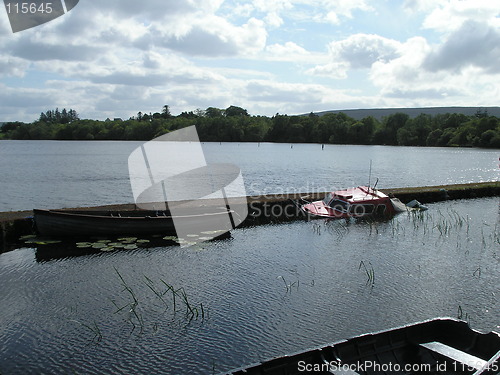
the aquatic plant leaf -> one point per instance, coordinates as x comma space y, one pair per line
83, 244
27, 237
107, 249
131, 239
170, 238
48, 242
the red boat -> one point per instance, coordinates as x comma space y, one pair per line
354, 202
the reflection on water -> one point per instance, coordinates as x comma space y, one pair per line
49, 174
265, 291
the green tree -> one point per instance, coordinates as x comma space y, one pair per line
433, 137
235, 111
279, 128
213, 112
487, 137
165, 112
361, 132
392, 124
446, 137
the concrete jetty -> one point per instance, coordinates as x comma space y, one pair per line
267, 208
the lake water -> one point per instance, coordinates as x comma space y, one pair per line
267, 291
56, 174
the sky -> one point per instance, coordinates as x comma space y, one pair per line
114, 58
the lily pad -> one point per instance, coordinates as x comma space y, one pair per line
83, 244
130, 247
34, 240
170, 238
128, 239
99, 245
48, 242
143, 241
116, 244
107, 249
27, 237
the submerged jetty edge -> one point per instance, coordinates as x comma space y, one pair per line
269, 208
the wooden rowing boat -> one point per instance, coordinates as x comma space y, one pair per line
98, 223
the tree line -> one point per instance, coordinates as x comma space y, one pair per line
234, 124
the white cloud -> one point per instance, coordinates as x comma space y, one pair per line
5, 28
474, 44
151, 10
115, 58
288, 51
270, 12
405, 80
422, 5
333, 18
341, 7
295, 98
337, 9
404, 70
12, 66
274, 20
215, 36
358, 51
36, 51
274, 12
362, 50
450, 15
336, 70
22, 97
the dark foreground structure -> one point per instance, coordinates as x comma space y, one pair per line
438, 346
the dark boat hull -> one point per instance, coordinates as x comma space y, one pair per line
444, 346
95, 223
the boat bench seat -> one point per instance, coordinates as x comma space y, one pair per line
466, 360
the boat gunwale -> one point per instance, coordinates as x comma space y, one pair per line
87, 215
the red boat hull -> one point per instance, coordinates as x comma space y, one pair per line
355, 202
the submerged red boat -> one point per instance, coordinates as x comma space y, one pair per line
356, 202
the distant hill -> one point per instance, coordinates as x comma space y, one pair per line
380, 113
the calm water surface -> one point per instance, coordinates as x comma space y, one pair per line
267, 291
55, 174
